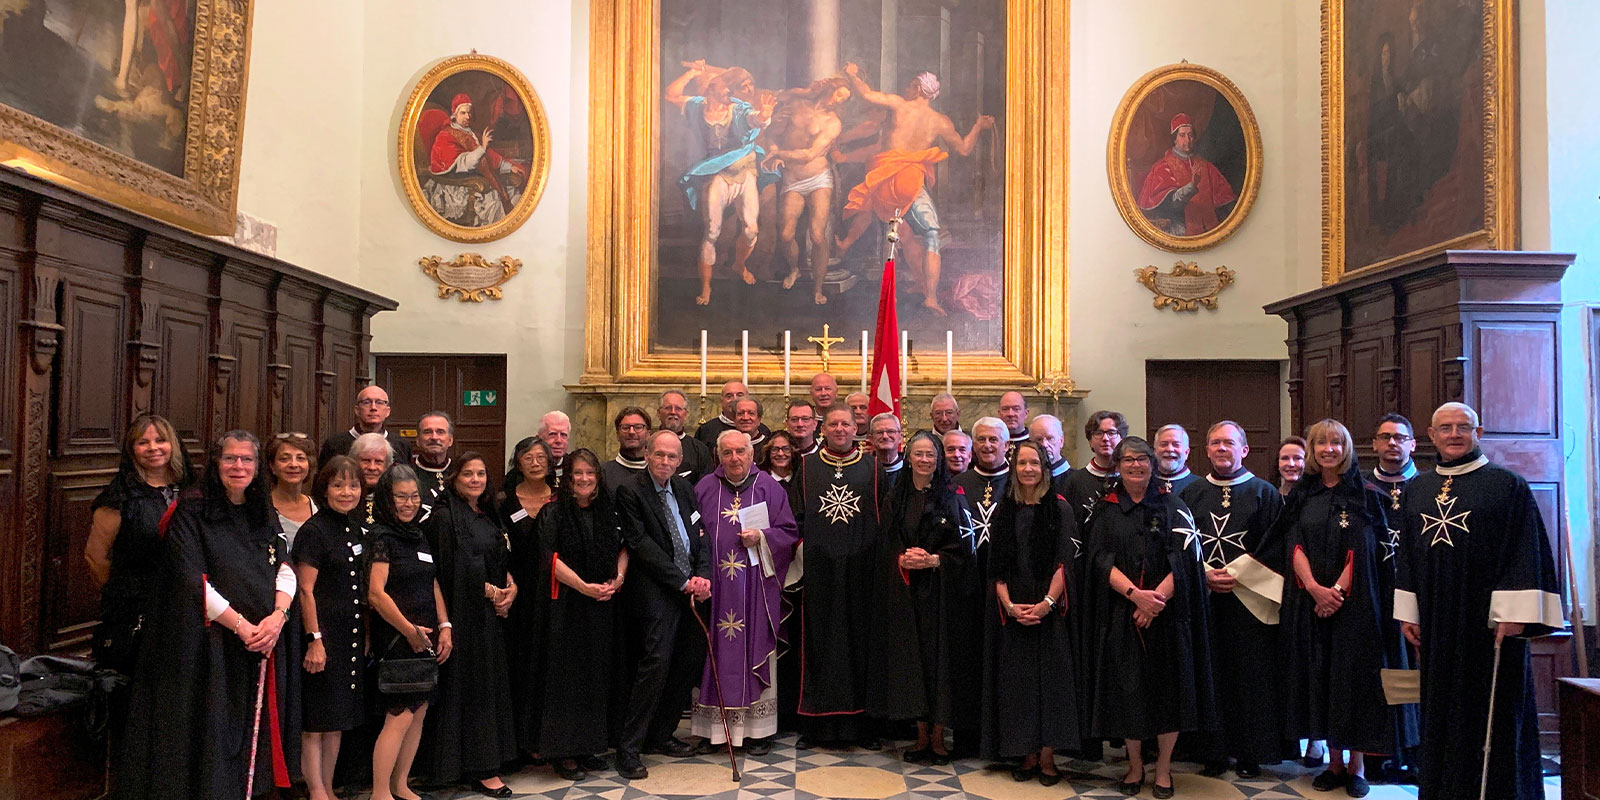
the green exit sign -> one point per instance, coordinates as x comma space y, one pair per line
479, 397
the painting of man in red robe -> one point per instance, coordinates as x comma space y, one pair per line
1182, 193
474, 145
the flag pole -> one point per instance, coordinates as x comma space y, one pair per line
893, 236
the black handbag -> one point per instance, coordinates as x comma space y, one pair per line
412, 673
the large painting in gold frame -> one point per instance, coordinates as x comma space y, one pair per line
180, 81
624, 201
1420, 146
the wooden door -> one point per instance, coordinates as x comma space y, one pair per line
1196, 394
470, 388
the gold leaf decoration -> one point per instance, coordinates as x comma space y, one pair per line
1186, 287
470, 275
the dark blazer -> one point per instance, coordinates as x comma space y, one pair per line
649, 534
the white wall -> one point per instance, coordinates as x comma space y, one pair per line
303, 136
1269, 49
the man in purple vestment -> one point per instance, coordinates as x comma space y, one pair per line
752, 536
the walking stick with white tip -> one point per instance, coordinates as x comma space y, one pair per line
1488, 736
255, 731
716, 680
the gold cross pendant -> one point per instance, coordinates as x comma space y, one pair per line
1344, 518
1394, 495
1444, 491
272, 554
1227, 496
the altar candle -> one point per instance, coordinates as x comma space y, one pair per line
702, 362
785, 363
744, 358
905, 359
949, 360
863, 362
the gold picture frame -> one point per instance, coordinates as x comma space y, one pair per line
1491, 42
204, 197
1148, 114
624, 124
482, 73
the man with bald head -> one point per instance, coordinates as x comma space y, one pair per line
1475, 579
859, 403
371, 411
824, 393
732, 393
1045, 430
945, 413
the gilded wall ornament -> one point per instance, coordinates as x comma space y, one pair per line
470, 275
1186, 287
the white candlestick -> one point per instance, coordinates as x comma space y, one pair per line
949, 361
863, 362
744, 359
786, 363
905, 358
702, 362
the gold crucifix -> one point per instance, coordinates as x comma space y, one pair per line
825, 342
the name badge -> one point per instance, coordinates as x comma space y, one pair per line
356, 548
428, 557
522, 514
694, 516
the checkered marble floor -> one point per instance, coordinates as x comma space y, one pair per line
790, 774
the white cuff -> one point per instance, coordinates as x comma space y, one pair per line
216, 604
1527, 606
1405, 607
286, 582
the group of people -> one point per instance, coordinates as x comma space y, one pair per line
965, 589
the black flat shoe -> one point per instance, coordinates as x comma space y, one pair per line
920, 756
591, 763
569, 770
753, 747
1357, 786
1162, 792
1049, 778
1247, 770
502, 791
1329, 780
805, 743
1021, 774
1214, 769
870, 743
1131, 788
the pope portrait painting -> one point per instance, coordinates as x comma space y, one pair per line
1184, 194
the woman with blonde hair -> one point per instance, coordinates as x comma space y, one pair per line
1333, 632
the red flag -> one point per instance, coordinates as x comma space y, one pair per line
885, 394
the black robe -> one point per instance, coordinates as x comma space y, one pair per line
338, 444
1084, 487
1331, 682
1030, 697
1060, 473
920, 673
708, 432
133, 589
330, 543
835, 504
526, 623
469, 731
1470, 557
579, 647
430, 481
1394, 487
698, 459
620, 470
1154, 680
1235, 518
1175, 484
188, 732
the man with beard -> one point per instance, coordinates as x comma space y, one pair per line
801, 423
632, 425
672, 413
747, 420
371, 411
1172, 460
1014, 413
824, 393
436, 434
957, 452
802, 132
886, 439
834, 500
1394, 443
945, 413
1104, 430
1234, 511
1045, 430
1475, 570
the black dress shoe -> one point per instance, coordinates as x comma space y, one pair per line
1247, 770
1214, 768
1131, 788
869, 743
672, 748
1357, 786
938, 759
1049, 778
591, 763
569, 770
1329, 780
630, 767
805, 743
502, 791
757, 747
921, 756
1020, 774
1161, 792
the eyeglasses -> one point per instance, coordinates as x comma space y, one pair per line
1104, 435
1455, 427
1397, 438
1135, 461
407, 498
372, 401
231, 460
633, 428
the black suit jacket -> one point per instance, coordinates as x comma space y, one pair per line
649, 534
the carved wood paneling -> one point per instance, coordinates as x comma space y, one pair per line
1517, 357
92, 415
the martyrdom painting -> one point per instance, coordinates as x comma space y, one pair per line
791, 135
1184, 158
474, 149
115, 72
1422, 156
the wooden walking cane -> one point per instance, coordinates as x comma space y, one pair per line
1575, 612
255, 731
1488, 736
716, 680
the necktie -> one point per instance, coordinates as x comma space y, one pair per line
680, 540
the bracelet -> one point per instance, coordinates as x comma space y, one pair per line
1050, 601
444, 625
1340, 589
237, 623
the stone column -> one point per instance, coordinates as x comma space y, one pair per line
822, 29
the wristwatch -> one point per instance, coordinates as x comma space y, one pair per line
1128, 593
313, 636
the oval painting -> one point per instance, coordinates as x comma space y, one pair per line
474, 149
1184, 160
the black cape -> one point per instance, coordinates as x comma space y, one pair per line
133, 588
920, 672
430, 481
530, 568
469, 730
698, 460
1470, 557
1030, 692
1235, 518
193, 700
1154, 680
